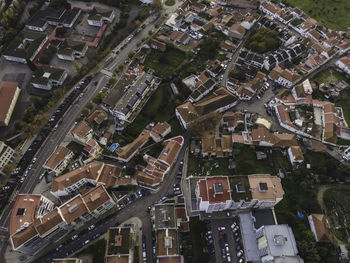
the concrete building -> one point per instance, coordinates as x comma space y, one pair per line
58, 160
6, 155
48, 77
120, 245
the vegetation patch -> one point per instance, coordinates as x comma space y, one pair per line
97, 249
170, 2
334, 14
263, 40
165, 63
199, 244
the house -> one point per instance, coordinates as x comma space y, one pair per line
228, 46
284, 77
248, 22
6, 155
236, 31
213, 194
91, 150
82, 132
70, 50
344, 64
120, 244
276, 243
94, 173
153, 174
219, 101
295, 155
208, 145
232, 119
48, 77
98, 116
127, 152
58, 160
99, 16
318, 224
160, 130
9, 93
25, 46
156, 44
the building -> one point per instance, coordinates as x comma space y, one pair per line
213, 194
159, 131
68, 260
95, 173
82, 132
295, 155
99, 16
58, 160
9, 93
276, 243
127, 152
285, 77
153, 174
120, 245
97, 117
25, 46
219, 101
318, 224
6, 155
344, 64
48, 77
237, 31
53, 16
219, 193
70, 50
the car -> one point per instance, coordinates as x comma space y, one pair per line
162, 199
74, 237
235, 229
228, 258
240, 253
6, 187
236, 234
22, 179
226, 248
241, 260
26, 173
41, 176
233, 225
228, 213
34, 160
58, 248
86, 242
96, 236
22, 258
238, 239
220, 228
238, 248
30, 166
91, 227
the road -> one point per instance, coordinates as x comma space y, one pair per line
235, 55
137, 209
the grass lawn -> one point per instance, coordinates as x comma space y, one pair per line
337, 201
343, 101
165, 63
160, 107
97, 250
219, 166
199, 243
334, 14
329, 77
247, 163
169, 2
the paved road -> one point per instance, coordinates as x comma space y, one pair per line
235, 55
137, 209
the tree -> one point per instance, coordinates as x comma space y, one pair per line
89, 105
263, 40
8, 168
60, 3
131, 54
157, 5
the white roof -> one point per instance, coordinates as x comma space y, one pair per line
307, 86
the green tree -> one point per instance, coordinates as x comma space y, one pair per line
263, 40
61, 31
89, 105
157, 5
8, 168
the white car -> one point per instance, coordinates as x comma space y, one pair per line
240, 253
86, 242
74, 237
221, 228
34, 159
91, 227
233, 225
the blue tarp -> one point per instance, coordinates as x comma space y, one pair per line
113, 147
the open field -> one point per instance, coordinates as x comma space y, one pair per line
334, 14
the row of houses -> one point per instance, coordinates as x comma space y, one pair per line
36, 222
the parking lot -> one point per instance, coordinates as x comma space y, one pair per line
224, 240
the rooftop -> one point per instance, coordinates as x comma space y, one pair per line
7, 94
265, 187
57, 156
119, 241
164, 216
240, 189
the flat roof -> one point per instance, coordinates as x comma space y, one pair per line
165, 216
7, 94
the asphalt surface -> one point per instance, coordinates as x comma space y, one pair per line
136, 209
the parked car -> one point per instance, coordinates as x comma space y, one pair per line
91, 227
240, 253
74, 237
